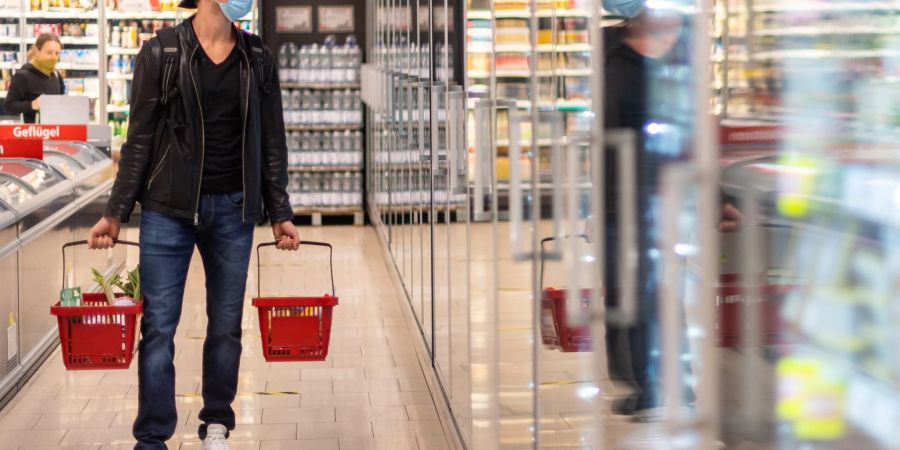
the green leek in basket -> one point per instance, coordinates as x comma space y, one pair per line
107, 284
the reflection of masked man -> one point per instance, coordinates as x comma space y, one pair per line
646, 38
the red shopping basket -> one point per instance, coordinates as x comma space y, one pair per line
296, 328
556, 332
96, 335
730, 300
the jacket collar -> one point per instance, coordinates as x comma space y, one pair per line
189, 37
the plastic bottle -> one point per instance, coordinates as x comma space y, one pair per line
302, 69
286, 105
354, 59
357, 189
315, 64
284, 62
296, 145
115, 39
293, 63
327, 53
316, 155
359, 145
337, 148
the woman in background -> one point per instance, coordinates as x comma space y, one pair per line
36, 78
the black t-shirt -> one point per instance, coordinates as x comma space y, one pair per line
220, 86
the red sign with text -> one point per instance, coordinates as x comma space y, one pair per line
44, 132
22, 148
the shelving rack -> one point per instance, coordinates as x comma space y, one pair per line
103, 17
754, 41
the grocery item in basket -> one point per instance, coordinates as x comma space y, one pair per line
106, 284
131, 288
70, 296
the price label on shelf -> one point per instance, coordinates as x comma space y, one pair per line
22, 148
137, 6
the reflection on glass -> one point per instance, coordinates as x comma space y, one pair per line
36, 177
13, 193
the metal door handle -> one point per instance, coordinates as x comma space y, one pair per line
560, 178
624, 142
457, 152
484, 168
516, 207
674, 179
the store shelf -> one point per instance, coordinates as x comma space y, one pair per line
157, 15
122, 51
564, 13
83, 94
565, 73
825, 54
818, 6
512, 14
323, 127
479, 74
70, 14
343, 168
9, 65
70, 66
119, 76
117, 108
10, 14
10, 40
320, 86
80, 40
478, 14
483, 14
3, 94
485, 48
565, 48
337, 211
825, 31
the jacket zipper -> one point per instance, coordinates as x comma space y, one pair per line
247, 75
202, 136
158, 168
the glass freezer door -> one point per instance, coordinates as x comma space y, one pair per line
814, 304
655, 167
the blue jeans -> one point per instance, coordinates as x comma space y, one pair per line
167, 244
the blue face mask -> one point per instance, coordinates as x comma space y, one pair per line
624, 8
235, 9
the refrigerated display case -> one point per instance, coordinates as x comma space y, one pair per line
9, 295
46, 204
42, 230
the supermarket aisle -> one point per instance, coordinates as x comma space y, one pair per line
370, 393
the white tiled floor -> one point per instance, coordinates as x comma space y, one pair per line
369, 394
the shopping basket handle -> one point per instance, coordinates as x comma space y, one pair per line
318, 244
84, 242
554, 238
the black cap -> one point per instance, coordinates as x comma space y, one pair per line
188, 4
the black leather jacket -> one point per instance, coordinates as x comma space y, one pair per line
162, 158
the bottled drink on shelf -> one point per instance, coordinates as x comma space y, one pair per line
303, 62
337, 148
327, 55
296, 109
293, 60
315, 64
353, 59
339, 64
284, 63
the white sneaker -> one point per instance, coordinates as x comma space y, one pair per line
215, 437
